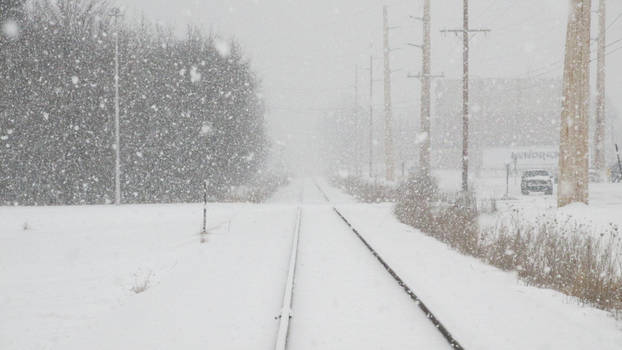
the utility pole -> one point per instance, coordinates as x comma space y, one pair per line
116, 13
573, 140
371, 116
388, 132
424, 152
465, 97
466, 30
425, 76
357, 169
599, 130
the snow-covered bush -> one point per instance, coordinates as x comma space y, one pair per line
365, 190
422, 206
415, 204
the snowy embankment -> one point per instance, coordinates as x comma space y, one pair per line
67, 274
484, 307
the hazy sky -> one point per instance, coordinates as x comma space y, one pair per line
305, 51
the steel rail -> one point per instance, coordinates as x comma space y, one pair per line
286, 310
426, 310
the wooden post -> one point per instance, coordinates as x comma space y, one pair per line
573, 143
388, 113
599, 126
424, 151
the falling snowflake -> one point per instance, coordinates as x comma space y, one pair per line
206, 129
11, 29
194, 75
421, 137
223, 48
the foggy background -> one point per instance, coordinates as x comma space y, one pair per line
305, 52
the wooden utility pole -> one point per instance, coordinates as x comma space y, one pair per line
466, 30
426, 78
599, 126
116, 13
573, 140
371, 116
357, 169
424, 151
388, 117
465, 96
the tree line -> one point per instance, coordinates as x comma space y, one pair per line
190, 109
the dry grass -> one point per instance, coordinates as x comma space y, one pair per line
142, 282
563, 255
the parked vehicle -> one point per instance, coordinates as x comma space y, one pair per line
536, 180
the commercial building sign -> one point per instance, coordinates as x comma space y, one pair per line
521, 157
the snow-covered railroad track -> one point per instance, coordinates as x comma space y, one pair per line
286, 310
438, 325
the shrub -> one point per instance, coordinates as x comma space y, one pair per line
415, 205
368, 191
564, 255
142, 282
422, 206
560, 254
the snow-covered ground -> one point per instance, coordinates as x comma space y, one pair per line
484, 307
65, 282
605, 198
66, 275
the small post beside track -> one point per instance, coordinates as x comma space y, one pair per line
204, 230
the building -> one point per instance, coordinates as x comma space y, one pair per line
505, 114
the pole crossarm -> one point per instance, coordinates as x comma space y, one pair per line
431, 76
477, 30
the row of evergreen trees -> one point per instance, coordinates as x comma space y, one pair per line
190, 109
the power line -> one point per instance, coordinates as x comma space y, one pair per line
613, 22
613, 42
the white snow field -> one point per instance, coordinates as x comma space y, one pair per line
66, 275
65, 282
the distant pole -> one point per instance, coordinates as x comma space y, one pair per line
425, 77
371, 115
204, 231
599, 130
424, 152
465, 97
573, 140
619, 162
357, 169
388, 113
116, 13
466, 30
507, 180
